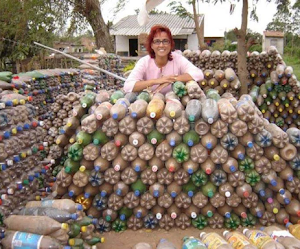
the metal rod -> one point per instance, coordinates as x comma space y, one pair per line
81, 61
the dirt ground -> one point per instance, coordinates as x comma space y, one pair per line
127, 239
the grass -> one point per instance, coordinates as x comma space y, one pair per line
294, 62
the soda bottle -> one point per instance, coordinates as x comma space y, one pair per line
227, 112
229, 141
174, 138
238, 240
138, 108
209, 141
191, 138
192, 243
210, 112
155, 108
193, 110
102, 112
164, 125
214, 241
173, 108
294, 229
208, 166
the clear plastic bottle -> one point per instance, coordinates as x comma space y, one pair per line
214, 241
165, 244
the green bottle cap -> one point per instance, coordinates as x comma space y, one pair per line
210, 194
67, 169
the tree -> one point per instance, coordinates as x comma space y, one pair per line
178, 9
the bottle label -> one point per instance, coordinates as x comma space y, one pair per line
23, 240
212, 241
238, 241
282, 233
47, 203
259, 238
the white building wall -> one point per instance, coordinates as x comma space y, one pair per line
193, 42
122, 44
278, 42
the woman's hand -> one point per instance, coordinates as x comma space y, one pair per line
165, 79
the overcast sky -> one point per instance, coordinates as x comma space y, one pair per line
217, 16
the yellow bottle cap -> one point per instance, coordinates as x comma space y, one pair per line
15, 101
23, 154
102, 240
275, 115
72, 140
33, 78
291, 98
253, 75
203, 83
57, 141
71, 242
225, 85
298, 111
14, 131
275, 210
22, 101
280, 110
172, 114
277, 103
290, 111
83, 229
79, 141
263, 111
276, 157
69, 124
82, 168
37, 198
44, 102
64, 226
207, 74
287, 105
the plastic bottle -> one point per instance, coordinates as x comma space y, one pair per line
165, 244
164, 125
173, 108
30, 240
193, 110
293, 208
62, 204
201, 127
261, 239
210, 112
119, 109
238, 240
191, 138
209, 141
214, 241
227, 112
174, 138
294, 229
230, 166
229, 141
139, 165
156, 189
138, 108
192, 243
155, 108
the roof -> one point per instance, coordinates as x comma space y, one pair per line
179, 26
268, 33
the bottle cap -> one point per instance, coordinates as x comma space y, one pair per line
71, 242
208, 145
87, 195
276, 157
210, 194
94, 221
117, 167
250, 144
298, 213
98, 116
290, 178
135, 142
259, 214
227, 214
118, 192
153, 141
64, 226
288, 224
173, 215
227, 194
115, 115
232, 169
118, 143
208, 171
262, 193
190, 193
173, 194
191, 118
210, 120
138, 214
190, 171
273, 182
246, 194
172, 114
286, 220
241, 156
152, 114
190, 143
171, 168
103, 193
202, 234
67, 169
108, 218
209, 214
158, 216
97, 168
79, 207
83, 229
275, 210
225, 232
133, 114
71, 193
244, 215
172, 143
122, 217
137, 193
156, 193
137, 168
82, 168
154, 168
245, 230
281, 191
95, 141
74, 216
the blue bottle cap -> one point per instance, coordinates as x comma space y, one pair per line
281, 191
118, 191
71, 193
172, 142
262, 193
122, 217
286, 201
133, 114
190, 143
241, 156
137, 168
190, 171
227, 215
290, 178
6, 134
273, 182
190, 193
259, 214
87, 195
97, 168
155, 193
173, 194
74, 216
16, 158
137, 193
232, 169
250, 144
103, 193
26, 126
3, 166
115, 116
30, 178
209, 145
19, 128
139, 214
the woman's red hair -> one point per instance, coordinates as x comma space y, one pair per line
157, 29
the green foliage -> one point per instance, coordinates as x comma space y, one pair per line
129, 66
293, 61
257, 47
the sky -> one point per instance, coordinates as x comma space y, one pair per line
217, 16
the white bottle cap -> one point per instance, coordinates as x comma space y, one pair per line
202, 234
135, 142
152, 115
227, 194
173, 215
193, 215
158, 216
154, 168
225, 232
245, 230
210, 120
117, 167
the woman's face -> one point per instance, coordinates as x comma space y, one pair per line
161, 44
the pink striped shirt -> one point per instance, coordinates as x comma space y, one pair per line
146, 69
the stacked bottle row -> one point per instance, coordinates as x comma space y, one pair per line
266, 238
163, 161
42, 86
22, 148
111, 63
50, 224
278, 98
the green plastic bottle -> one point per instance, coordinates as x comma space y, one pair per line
115, 96
263, 91
138, 187
254, 93
145, 96
246, 164
88, 100
75, 152
213, 94
273, 94
191, 138
189, 188
181, 153
85, 221
125, 213
75, 242
263, 108
119, 225
252, 177
71, 166
83, 138
74, 230
155, 137
179, 88
200, 222
192, 243
209, 189
99, 138
199, 178
94, 241
249, 221
232, 222
269, 85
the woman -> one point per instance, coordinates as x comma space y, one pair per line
161, 66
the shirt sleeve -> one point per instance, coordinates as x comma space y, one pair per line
187, 67
137, 74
